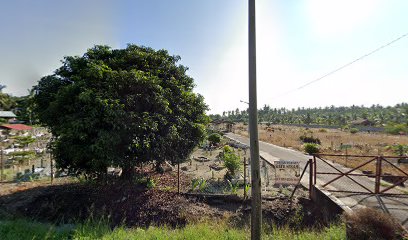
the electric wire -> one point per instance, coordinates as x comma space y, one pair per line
346, 65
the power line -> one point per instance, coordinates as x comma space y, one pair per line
347, 64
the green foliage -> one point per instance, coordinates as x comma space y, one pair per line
203, 185
27, 177
227, 149
150, 184
353, 130
400, 149
396, 129
233, 186
231, 161
120, 107
25, 106
7, 102
214, 138
23, 141
22, 156
24, 229
311, 148
246, 188
331, 116
194, 183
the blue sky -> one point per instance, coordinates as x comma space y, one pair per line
297, 42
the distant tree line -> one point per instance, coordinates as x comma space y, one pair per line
376, 115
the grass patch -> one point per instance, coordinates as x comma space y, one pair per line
24, 229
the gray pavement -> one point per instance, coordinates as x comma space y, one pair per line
397, 206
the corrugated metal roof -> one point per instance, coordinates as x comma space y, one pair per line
7, 114
19, 127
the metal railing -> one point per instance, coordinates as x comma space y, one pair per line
398, 177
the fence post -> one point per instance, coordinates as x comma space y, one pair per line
52, 169
314, 169
378, 174
245, 178
311, 168
178, 177
2, 165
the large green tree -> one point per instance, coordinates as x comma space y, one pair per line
120, 107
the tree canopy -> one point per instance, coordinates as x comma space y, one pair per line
120, 107
377, 115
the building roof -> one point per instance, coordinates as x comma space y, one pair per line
19, 127
7, 114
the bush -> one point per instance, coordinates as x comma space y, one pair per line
232, 162
214, 138
322, 130
310, 139
353, 130
368, 223
396, 129
400, 149
227, 149
311, 148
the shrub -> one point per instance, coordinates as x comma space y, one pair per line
353, 130
396, 129
400, 149
227, 149
311, 148
310, 139
368, 223
150, 184
231, 162
322, 130
214, 138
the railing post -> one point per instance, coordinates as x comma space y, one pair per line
310, 177
378, 175
314, 169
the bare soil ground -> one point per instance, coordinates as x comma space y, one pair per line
67, 201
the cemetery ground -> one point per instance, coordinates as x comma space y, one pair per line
149, 206
73, 208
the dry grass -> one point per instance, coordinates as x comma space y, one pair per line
331, 139
368, 223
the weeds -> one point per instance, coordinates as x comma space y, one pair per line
233, 186
194, 183
201, 184
24, 229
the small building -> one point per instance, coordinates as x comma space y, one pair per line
17, 127
9, 115
222, 125
362, 122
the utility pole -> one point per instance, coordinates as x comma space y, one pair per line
256, 208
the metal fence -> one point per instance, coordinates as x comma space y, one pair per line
363, 174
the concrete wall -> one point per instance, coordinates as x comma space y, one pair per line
330, 205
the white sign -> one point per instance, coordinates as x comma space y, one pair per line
287, 172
